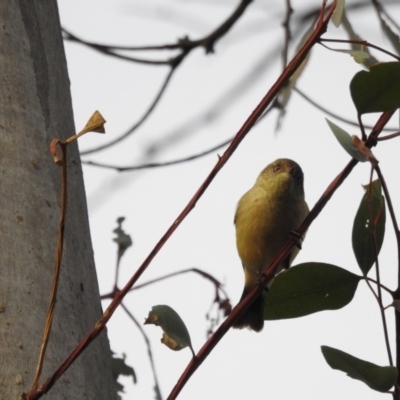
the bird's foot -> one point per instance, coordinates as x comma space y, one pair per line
298, 239
259, 283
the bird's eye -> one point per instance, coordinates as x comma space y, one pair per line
277, 168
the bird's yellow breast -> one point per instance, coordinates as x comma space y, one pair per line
263, 225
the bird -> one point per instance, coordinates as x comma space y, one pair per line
266, 216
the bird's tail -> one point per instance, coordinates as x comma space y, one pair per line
253, 317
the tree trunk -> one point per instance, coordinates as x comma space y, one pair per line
36, 108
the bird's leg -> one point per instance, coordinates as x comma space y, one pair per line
298, 239
259, 283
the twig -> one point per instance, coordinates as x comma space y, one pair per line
67, 35
185, 44
204, 274
168, 163
160, 164
137, 124
338, 117
288, 36
110, 50
361, 126
387, 137
173, 162
57, 264
382, 286
378, 279
360, 42
396, 293
380, 10
149, 352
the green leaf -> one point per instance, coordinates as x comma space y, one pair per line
176, 336
376, 377
359, 58
309, 288
337, 14
369, 227
346, 141
377, 90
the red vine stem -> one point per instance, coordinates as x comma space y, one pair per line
57, 262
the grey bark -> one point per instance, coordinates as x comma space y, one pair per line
35, 107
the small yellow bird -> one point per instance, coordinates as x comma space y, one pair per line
265, 217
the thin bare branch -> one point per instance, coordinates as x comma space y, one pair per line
396, 293
382, 286
149, 351
169, 163
204, 274
360, 42
110, 51
184, 44
138, 123
287, 34
387, 137
161, 164
338, 117
381, 11
378, 278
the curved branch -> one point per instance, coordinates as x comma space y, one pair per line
287, 33
149, 351
388, 137
109, 51
173, 162
360, 42
67, 35
161, 164
137, 124
338, 117
184, 44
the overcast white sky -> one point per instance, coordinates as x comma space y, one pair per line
284, 361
